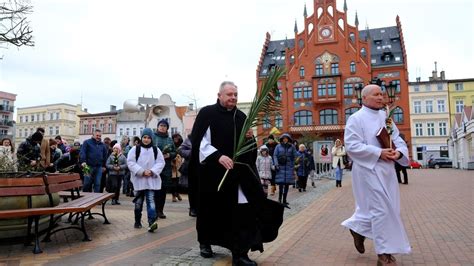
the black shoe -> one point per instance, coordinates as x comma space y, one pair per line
242, 260
114, 202
358, 241
299, 189
406, 183
161, 215
192, 213
206, 251
117, 202
137, 225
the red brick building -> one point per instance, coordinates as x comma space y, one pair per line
324, 62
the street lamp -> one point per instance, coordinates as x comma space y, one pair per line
391, 87
358, 89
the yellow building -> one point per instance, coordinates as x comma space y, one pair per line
461, 93
57, 119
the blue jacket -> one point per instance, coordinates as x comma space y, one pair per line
303, 163
93, 153
284, 159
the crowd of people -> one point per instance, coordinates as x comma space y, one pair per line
230, 195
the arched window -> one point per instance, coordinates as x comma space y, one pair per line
363, 53
302, 72
349, 111
397, 115
328, 117
353, 67
278, 121
303, 118
266, 122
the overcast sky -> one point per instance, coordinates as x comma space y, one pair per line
107, 51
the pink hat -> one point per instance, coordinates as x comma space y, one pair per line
119, 148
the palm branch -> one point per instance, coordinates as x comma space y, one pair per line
264, 103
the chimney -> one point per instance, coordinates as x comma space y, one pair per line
418, 79
113, 108
191, 107
85, 110
442, 74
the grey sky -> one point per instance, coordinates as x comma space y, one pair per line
112, 50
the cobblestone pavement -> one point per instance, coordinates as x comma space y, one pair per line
437, 209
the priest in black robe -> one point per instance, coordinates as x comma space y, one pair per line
229, 217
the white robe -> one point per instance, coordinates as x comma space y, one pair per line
374, 183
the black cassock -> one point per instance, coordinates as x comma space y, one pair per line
221, 220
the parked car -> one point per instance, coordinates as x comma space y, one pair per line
415, 164
440, 162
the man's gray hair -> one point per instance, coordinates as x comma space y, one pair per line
221, 87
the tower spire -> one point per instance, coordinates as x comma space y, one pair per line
296, 27
345, 6
305, 13
357, 20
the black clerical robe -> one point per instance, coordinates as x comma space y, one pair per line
221, 220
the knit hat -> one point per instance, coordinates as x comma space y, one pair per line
38, 137
264, 147
147, 131
163, 121
271, 137
118, 147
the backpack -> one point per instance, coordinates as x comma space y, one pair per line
138, 150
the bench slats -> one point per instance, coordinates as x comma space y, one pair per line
56, 187
21, 182
22, 191
61, 178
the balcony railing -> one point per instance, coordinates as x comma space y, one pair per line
318, 128
7, 108
6, 123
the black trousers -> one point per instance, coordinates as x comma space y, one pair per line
302, 180
114, 183
403, 169
160, 198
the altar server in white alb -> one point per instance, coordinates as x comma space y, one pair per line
374, 182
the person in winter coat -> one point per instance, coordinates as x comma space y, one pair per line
264, 167
338, 152
271, 144
29, 153
302, 167
175, 165
145, 166
93, 156
55, 155
166, 145
284, 159
187, 178
117, 166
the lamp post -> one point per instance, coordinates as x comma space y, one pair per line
358, 88
391, 91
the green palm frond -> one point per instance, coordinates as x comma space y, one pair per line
264, 103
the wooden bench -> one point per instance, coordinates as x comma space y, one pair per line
80, 205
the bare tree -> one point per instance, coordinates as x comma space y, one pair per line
14, 25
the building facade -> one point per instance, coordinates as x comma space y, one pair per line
106, 122
7, 106
324, 64
429, 118
57, 119
130, 124
461, 93
461, 143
